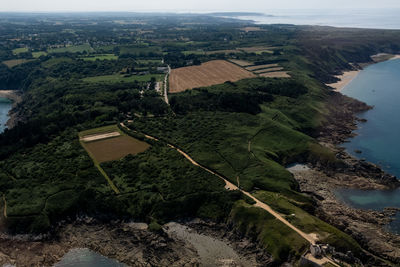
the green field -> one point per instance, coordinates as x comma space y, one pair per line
100, 57
15, 62
118, 78
134, 50
17, 51
149, 61
71, 49
38, 54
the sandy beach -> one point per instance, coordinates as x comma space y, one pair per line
348, 76
345, 79
10, 94
395, 57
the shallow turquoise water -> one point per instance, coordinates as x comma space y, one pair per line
86, 258
5, 106
378, 138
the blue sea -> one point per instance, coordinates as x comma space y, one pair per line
378, 139
354, 18
5, 106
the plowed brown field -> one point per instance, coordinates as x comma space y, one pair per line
207, 74
115, 148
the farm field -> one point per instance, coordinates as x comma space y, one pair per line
115, 148
109, 143
38, 54
15, 62
257, 49
101, 57
207, 74
252, 68
117, 78
17, 51
241, 63
268, 70
72, 49
275, 74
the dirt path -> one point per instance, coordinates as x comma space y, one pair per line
166, 85
311, 238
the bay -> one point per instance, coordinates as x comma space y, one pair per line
377, 139
5, 106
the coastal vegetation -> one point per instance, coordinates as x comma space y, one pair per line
246, 128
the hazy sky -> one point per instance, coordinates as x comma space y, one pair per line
187, 5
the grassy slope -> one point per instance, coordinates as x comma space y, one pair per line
220, 141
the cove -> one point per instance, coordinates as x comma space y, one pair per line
5, 107
379, 138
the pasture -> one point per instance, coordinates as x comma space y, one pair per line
20, 50
100, 57
207, 74
38, 54
15, 62
257, 49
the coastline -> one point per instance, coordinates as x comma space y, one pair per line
320, 182
348, 76
16, 98
344, 80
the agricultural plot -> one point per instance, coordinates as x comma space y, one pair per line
17, 51
72, 49
257, 49
38, 54
108, 144
241, 63
15, 62
258, 67
207, 74
100, 57
276, 74
268, 70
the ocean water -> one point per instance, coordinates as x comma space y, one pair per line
5, 106
378, 138
86, 258
355, 18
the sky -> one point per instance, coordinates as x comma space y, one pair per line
188, 5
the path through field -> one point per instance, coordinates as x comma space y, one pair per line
311, 238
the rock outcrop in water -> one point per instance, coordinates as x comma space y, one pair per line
320, 182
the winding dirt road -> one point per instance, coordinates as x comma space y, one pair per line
311, 238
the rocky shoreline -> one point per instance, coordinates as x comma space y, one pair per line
129, 243
321, 181
16, 98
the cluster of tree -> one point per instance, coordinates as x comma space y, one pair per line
49, 108
230, 102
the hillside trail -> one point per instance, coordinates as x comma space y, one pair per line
166, 85
311, 238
